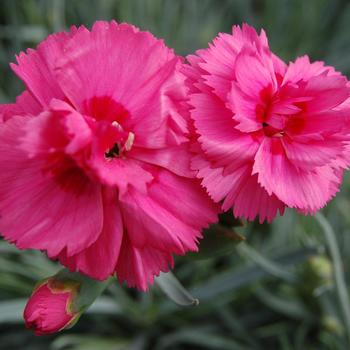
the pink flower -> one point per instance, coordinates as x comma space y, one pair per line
49, 309
269, 135
94, 155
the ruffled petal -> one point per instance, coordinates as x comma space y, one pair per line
313, 153
218, 63
253, 73
176, 159
249, 95
302, 70
219, 139
157, 228
137, 266
245, 110
197, 210
25, 104
36, 68
251, 200
99, 259
307, 191
58, 129
321, 125
327, 92
238, 190
51, 212
120, 172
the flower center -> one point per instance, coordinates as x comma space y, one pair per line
120, 141
270, 131
108, 117
113, 152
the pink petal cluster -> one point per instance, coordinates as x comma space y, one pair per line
94, 155
268, 135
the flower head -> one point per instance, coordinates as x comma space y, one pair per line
269, 136
49, 309
94, 155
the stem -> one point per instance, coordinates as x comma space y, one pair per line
337, 268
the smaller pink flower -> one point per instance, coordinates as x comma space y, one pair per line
49, 309
270, 135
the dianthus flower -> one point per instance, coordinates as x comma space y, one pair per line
269, 136
94, 155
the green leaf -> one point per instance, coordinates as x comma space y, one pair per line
339, 278
11, 311
169, 284
268, 265
106, 306
83, 342
227, 282
199, 337
89, 288
292, 308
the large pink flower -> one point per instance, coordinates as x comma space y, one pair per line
94, 155
269, 135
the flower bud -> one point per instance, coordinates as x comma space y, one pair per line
49, 309
317, 271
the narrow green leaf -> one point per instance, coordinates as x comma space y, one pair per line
340, 283
84, 342
106, 306
170, 285
11, 311
268, 265
292, 308
228, 281
199, 337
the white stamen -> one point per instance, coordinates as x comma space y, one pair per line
129, 142
117, 125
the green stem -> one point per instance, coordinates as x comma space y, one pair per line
337, 268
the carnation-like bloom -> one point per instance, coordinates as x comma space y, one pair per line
269, 135
95, 167
50, 308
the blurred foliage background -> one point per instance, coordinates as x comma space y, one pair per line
286, 287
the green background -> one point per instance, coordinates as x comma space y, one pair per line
285, 288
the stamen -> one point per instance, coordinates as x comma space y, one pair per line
117, 125
129, 142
